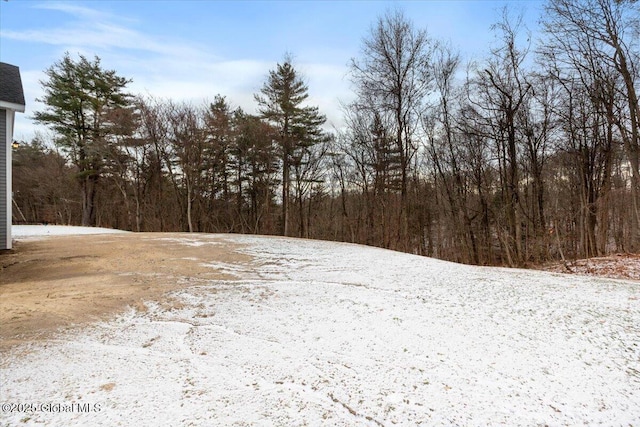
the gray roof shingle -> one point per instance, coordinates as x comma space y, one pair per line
10, 84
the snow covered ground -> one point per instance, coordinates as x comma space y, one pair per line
25, 232
318, 333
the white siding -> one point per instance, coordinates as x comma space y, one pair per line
6, 125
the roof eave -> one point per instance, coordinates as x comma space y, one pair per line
12, 106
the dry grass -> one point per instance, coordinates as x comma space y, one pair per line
64, 282
620, 266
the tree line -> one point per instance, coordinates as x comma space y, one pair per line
528, 155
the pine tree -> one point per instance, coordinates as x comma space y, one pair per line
78, 97
281, 103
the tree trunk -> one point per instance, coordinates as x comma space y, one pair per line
89, 188
189, 203
285, 197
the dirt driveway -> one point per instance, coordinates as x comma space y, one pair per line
64, 282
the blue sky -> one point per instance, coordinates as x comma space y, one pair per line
193, 50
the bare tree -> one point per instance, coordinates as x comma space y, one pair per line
500, 92
447, 155
589, 36
391, 77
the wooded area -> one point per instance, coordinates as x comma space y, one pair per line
529, 155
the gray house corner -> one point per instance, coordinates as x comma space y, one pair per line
11, 101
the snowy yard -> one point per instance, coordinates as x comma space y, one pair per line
26, 232
318, 333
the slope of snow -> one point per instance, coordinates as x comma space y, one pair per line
318, 333
24, 232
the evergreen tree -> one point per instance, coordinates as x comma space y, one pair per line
281, 103
78, 97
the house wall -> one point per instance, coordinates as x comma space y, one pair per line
5, 179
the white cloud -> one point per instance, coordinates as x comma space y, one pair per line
25, 129
99, 36
328, 85
162, 66
74, 9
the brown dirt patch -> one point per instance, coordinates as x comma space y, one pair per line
63, 282
618, 266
